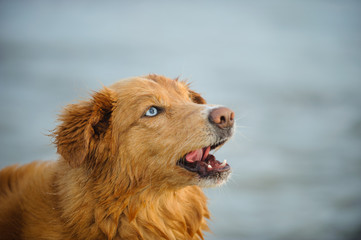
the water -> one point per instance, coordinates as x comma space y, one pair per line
290, 70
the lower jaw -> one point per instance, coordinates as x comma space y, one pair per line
213, 180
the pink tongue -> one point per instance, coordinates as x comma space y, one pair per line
205, 155
195, 155
198, 155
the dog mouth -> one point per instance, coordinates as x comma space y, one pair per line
203, 163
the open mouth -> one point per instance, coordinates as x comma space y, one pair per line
202, 162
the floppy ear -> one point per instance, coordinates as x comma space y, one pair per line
82, 126
196, 97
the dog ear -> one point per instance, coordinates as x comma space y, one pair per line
196, 97
82, 125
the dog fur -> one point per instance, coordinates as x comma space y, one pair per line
117, 176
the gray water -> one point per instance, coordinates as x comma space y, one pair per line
289, 69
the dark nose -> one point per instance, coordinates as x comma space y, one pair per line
222, 117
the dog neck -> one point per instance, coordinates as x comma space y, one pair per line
104, 207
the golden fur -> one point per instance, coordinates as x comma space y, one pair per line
117, 176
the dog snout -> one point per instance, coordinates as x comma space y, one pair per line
222, 117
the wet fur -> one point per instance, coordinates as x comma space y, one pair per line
116, 178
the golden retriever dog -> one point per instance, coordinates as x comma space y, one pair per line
133, 160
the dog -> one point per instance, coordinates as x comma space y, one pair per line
133, 162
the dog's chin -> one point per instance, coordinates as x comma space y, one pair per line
214, 181
207, 171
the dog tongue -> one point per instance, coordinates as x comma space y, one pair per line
206, 152
198, 155
195, 155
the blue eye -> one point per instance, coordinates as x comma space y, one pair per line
153, 111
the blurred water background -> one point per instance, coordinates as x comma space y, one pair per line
290, 69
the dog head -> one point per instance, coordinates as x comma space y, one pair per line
151, 130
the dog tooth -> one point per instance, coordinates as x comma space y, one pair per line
209, 166
223, 163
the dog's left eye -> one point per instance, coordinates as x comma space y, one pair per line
152, 111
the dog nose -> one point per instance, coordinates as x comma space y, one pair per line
222, 117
